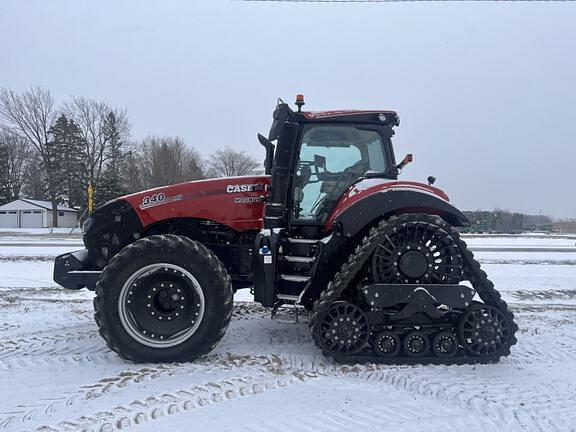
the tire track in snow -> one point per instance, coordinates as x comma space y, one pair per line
164, 404
129, 377
126, 379
487, 396
78, 342
467, 392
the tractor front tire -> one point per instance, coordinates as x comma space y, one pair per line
163, 298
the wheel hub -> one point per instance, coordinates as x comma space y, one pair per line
446, 345
489, 332
167, 300
345, 331
161, 305
387, 344
413, 264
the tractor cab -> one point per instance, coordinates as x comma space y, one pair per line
318, 156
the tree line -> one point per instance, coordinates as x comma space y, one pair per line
505, 221
53, 152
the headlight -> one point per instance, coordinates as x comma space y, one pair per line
87, 224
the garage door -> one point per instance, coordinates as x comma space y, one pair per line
8, 219
31, 219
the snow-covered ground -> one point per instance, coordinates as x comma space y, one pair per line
56, 373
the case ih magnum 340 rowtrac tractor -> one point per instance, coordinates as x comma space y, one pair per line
328, 229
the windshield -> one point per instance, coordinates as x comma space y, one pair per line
331, 158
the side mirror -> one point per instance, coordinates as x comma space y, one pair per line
431, 180
269, 153
407, 159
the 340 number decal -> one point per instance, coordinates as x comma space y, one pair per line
149, 200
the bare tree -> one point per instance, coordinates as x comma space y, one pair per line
17, 155
167, 160
29, 115
94, 119
229, 163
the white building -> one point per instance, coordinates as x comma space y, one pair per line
27, 213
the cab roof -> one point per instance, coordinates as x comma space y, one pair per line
284, 113
388, 117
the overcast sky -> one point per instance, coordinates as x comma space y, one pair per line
486, 92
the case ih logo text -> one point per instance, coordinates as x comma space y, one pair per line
234, 188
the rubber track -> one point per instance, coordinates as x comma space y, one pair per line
349, 270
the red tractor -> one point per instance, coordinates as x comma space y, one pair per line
328, 229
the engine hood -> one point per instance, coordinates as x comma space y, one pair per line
233, 201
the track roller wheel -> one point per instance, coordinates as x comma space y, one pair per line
445, 345
387, 344
344, 329
416, 344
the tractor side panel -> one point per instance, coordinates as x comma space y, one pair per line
235, 202
373, 198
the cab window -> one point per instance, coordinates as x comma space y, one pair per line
331, 159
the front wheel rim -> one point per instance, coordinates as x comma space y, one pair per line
161, 305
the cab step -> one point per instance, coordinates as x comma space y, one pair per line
294, 278
289, 313
299, 259
301, 240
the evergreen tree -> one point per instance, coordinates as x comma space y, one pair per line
109, 186
66, 150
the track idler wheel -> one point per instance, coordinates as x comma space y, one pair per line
416, 344
344, 329
485, 331
445, 345
387, 344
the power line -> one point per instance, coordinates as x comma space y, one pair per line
399, 1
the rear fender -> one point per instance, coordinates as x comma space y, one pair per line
394, 202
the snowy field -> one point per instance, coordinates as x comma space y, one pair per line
56, 373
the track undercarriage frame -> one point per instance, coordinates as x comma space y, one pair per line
412, 323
